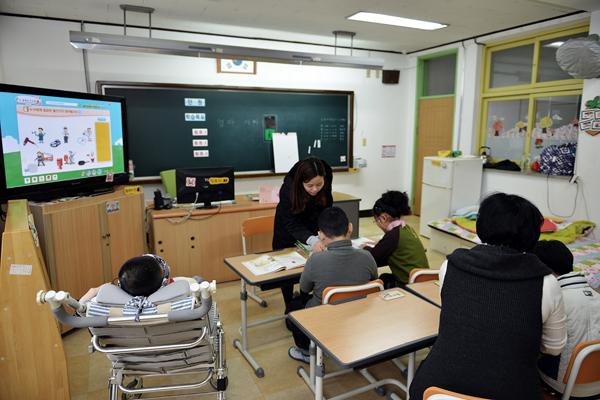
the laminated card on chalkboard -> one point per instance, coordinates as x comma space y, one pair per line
285, 151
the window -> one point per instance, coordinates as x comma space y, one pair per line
527, 101
439, 75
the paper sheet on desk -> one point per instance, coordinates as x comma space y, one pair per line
356, 243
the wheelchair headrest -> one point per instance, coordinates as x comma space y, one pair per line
114, 296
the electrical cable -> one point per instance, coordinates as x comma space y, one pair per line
548, 199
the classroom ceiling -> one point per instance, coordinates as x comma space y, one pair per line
313, 21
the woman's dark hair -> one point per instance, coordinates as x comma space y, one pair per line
141, 276
392, 202
308, 169
555, 254
333, 222
509, 220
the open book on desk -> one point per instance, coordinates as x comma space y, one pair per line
267, 264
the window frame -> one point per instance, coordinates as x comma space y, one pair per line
533, 90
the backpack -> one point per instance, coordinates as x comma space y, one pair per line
558, 160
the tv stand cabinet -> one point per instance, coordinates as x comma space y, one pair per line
85, 241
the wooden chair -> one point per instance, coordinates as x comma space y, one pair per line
436, 393
584, 367
254, 226
423, 274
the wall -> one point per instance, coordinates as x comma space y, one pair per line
37, 52
554, 197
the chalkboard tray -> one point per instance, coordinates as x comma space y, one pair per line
182, 126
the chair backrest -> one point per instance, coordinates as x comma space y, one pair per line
168, 181
423, 274
338, 293
585, 363
436, 393
253, 226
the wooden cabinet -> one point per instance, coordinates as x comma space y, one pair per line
85, 241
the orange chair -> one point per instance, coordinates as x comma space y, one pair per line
254, 226
423, 274
584, 367
338, 293
436, 393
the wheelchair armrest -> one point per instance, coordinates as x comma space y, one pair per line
188, 315
78, 322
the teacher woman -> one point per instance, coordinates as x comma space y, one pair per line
305, 193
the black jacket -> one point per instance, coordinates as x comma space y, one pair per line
290, 227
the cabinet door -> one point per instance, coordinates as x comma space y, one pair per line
77, 249
126, 230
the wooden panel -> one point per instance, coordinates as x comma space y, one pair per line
33, 361
126, 232
77, 245
172, 242
435, 125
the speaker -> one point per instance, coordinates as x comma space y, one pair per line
390, 76
158, 200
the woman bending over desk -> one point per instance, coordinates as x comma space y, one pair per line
501, 306
400, 247
305, 193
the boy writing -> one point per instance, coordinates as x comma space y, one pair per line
582, 311
340, 265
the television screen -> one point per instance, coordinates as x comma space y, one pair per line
204, 185
57, 143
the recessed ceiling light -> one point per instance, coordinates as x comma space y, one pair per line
397, 21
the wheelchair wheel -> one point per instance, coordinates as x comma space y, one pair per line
131, 385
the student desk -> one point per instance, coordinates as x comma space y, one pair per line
198, 245
427, 290
264, 282
367, 331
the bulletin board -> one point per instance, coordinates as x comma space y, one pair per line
184, 126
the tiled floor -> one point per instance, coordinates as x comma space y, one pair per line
268, 344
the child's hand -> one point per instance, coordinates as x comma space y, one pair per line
319, 246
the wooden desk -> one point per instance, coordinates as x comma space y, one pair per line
395, 327
197, 246
265, 282
427, 290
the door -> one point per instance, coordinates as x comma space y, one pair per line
434, 132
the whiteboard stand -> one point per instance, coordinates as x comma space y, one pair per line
285, 151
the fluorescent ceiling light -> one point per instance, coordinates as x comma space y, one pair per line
397, 21
102, 41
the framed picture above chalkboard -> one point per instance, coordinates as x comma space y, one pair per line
236, 66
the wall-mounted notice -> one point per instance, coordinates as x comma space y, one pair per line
388, 151
285, 151
195, 102
195, 117
200, 143
200, 153
199, 132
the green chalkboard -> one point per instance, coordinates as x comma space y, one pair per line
233, 126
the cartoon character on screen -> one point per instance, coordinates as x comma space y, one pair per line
66, 135
92, 156
71, 157
59, 163
40, 158
41, 135
88, 133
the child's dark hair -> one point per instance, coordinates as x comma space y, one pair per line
555, 255
141, 276
509, 220
333, 222
392, 202
308, 169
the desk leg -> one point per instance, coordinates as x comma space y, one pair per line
258, 371
411, 371
319, 372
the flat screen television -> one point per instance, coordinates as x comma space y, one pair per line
204, 185
58, 144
